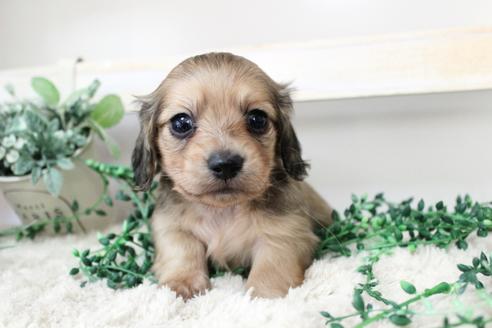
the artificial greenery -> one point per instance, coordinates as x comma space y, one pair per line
373, 227
40, 137
378, 226
125, 259
400, 313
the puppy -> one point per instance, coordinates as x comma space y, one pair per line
218, 132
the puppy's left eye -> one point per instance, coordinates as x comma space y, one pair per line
182, 125
257, 121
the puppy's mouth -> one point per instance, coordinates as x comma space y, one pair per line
224, 191
221, 191
220, 196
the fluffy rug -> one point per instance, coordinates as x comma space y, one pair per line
36, 291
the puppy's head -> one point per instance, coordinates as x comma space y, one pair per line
219, 129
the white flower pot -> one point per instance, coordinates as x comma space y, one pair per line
34, 202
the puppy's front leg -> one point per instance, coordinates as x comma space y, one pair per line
277, 267
180, 262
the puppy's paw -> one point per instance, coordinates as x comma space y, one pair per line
260, 291
188, 285
270, 284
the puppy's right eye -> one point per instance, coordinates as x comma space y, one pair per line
182, 125
257, 121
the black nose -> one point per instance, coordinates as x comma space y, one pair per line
225, 165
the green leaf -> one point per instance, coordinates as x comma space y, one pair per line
464, 268
120, 195
74, 271
482, 232
107, 200
441, 288
108, 111
75, 206
400, 319
69, 227
100, 212
447, 219
355, 199
364, 269
112, 255
408, 287
336, 325
23, 166
86, 261
56, 226
461, 244
104, 241
65, 163
357, 301
84, 93
421, 205
92, 88
326, 314
111, 284
46, 90
53, 181
36, 174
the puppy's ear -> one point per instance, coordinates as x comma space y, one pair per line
145, 159
288, 145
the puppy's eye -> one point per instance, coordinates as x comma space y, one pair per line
257, 121
182, 125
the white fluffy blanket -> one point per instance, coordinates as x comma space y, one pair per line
36, 291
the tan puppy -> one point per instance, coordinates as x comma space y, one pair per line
218, 131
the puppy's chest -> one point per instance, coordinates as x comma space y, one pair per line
229, 236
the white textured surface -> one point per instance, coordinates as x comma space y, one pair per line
36, 291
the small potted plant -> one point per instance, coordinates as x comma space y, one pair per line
43, 146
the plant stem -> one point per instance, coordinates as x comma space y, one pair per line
440, 288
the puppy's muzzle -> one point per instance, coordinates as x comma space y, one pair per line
225, 165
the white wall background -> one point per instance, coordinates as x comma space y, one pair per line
42, 32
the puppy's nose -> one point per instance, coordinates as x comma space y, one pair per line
225, 165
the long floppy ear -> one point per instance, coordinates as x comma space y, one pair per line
145, 159
288, 144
